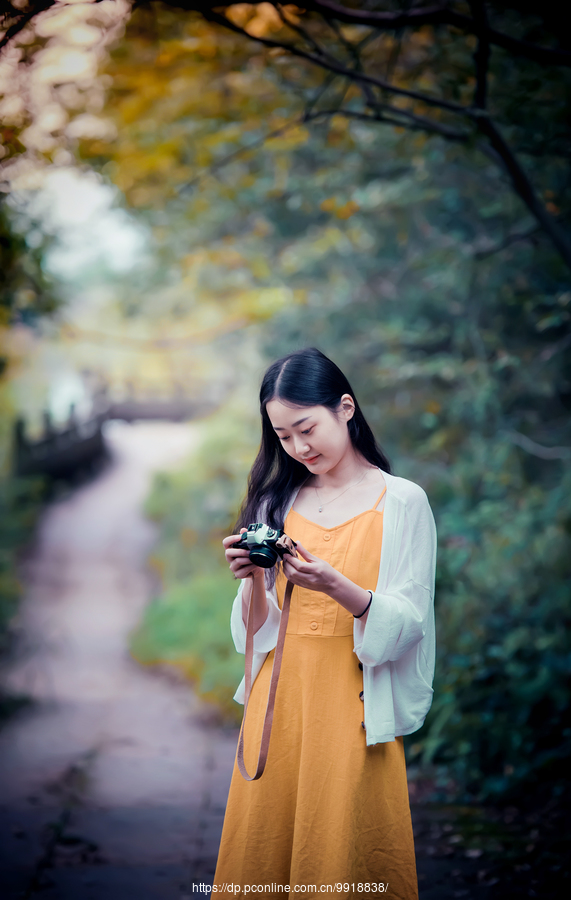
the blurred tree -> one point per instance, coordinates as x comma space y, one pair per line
26, 295
487, 75
26, 292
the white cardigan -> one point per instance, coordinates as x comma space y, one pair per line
396, 643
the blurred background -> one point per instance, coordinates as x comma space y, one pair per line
188, 192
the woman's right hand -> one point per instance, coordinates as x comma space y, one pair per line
238, 559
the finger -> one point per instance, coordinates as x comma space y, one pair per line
238, 560
295, 567
296, 578
299, 563
232, 539
242, 571
305, 553
236, 563
232, 553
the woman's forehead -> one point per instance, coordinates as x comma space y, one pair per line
288, 415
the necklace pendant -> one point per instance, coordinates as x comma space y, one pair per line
320, 508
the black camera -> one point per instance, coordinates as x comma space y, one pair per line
266, 545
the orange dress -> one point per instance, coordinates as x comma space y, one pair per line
328, 810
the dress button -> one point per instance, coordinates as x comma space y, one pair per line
363, 726
361, 695
313, 626
326, 537
361, 666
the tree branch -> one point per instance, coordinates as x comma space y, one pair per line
545, 56
216, 166
482, 54
323, 88
523, 187
508, 241
495, 147
301, 32
437, 14
418, 123
339, 69
24, 18
537, 449
412, 122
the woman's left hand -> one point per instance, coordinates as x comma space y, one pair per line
309, 571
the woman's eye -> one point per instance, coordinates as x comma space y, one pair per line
308, 431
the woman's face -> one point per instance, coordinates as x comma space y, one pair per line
313, 435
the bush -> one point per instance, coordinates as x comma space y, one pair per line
188, 626
20, 503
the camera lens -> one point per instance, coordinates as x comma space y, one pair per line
264, 557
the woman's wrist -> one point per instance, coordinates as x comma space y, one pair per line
254, 592
259, 574
361, 614
353, 598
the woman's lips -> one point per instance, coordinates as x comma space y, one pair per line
311, 459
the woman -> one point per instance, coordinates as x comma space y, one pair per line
331, 811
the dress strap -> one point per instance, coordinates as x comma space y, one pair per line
380, 498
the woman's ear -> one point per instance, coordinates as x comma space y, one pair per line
347, 407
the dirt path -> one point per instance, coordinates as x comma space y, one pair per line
112, 786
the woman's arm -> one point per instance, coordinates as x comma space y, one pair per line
254, 595
252, 590
254, 587
265, 637
311, 572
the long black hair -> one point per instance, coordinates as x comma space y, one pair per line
304, 378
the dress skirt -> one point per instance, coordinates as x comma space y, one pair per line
328, 810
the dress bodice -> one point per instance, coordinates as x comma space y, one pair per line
353, 548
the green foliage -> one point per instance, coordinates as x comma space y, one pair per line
25, 296
452, 356
25, 291
500, 716
20, 503
188, 626
453, 335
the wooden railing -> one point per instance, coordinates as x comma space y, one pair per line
61, 451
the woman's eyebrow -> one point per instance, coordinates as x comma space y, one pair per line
295, 424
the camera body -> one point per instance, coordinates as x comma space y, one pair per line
266, 545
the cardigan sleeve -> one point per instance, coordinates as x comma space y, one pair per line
401, 612
266, 637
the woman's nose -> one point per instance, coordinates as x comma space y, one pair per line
301, 446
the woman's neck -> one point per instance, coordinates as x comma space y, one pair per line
348, 470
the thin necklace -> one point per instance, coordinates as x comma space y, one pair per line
338, 495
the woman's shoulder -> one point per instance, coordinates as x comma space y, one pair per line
408, 492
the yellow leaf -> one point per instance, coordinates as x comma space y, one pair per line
265, 21
329, 204
346, 211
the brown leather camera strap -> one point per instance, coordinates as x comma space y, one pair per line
268, 718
